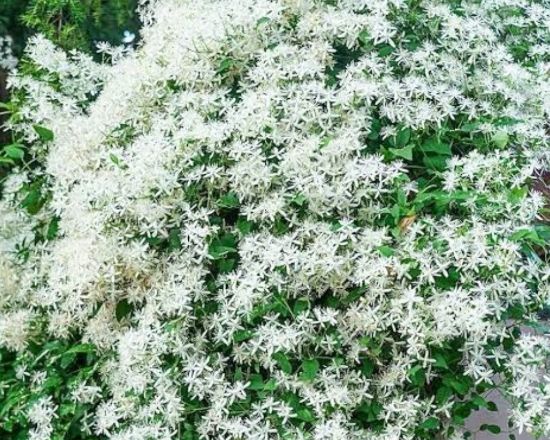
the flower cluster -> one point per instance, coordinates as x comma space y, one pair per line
284, 219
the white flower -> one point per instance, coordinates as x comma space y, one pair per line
129, 37
42, 414
304, 190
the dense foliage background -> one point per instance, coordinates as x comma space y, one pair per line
71, 24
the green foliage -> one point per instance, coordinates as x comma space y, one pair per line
11, 24
51, 369
71, 24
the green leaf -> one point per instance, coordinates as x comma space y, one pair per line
282, 362
506, 120
367, 367
459, 384
440, 361
302, 411
53, 228
543, 232
67, 409
367, 341
256, 382
433, 145
493, 429
437, 163
370, 410
470, 126
301, 305
52, 382
305, 414
14, 151
529, 235
222, 246
299, 200
354, 295
45, 134
189, 432
33, 201
402, 137
443, 394
81, 348
238, 374
114, 158
67, 359
123, 309
226, 265
226, 65
385, 50
479, 401
430, 424
263, 20
270, 385
15, 396
375, 128
244, 226
386, 251
242, 335
174, 239
310, 368
325, 141
405, 152
228, 201
500, 139
417, 376
364, 37
460, 412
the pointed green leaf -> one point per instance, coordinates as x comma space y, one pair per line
44, 133
282, 362
405, 152
14, 151
310, 368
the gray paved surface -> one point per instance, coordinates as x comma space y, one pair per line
495, 418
